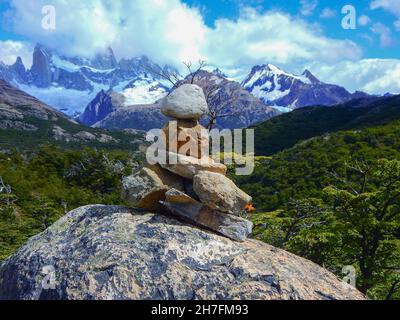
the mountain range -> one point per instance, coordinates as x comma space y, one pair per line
107, 93
288, 91
238, 107
70, 83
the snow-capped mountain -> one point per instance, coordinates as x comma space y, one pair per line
95, 88
138, 92
287, 91
70, 83
236, 107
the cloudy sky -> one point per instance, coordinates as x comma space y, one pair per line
231, 34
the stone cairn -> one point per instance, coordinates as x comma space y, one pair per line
194, 187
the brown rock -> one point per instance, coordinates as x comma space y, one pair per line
146, 188
175, 196
220, 193
188, 136
167, 178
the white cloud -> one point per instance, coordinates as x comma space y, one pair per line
375, 76
11, 50
308, 7
397, 25
169, 31
328, 13
392, 6
276, 38
165, 29
364, 20
384, 33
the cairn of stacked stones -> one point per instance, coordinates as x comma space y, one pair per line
194, 187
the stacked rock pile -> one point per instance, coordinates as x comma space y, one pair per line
193, 186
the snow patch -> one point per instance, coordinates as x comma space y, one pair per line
273, 95
64, 64
282, 109
71, 102
143, 92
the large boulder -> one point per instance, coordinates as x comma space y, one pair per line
220, 193
186, 102
111, 252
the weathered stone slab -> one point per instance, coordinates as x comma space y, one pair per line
175, 196
220, 193
231, 226
188, 167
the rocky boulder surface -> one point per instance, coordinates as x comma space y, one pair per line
111, 252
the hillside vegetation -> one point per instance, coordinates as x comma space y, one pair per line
285, 131
335, 198
39, 187
72, 139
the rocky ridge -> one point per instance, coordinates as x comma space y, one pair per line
239, 107
23, 118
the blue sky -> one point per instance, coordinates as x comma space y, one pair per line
231, 34
331, 25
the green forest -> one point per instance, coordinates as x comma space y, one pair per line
334, 198
37, 188
330, 193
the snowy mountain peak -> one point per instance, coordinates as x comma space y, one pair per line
40, 71
70, 83
19, 62
270, 83
104, 60
19, 70
269, 74
307, 73
218, 72
273, 68
282, 89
